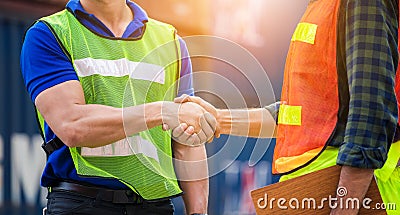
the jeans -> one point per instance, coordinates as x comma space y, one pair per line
64, 202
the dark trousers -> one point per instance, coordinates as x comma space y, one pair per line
65, 202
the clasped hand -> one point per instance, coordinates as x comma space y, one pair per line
194, 121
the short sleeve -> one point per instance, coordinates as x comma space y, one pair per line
43, 62
186, 73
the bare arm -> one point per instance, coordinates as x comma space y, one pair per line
356, 181
256, 122
247, 122
192, 171
79, 124
191, 164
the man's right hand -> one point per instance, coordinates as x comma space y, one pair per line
191, 124
204, 104
256, 122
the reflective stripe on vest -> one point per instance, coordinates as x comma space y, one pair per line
123, 73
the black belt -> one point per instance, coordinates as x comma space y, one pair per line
114, 196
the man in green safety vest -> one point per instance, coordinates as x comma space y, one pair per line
102, 76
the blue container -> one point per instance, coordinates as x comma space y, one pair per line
18, 122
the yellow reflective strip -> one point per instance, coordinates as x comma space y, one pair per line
325, 160
289, 115
305, 32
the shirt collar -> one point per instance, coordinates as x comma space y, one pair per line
140, 16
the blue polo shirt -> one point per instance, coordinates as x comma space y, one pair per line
44, 65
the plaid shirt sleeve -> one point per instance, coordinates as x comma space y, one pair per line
371, 63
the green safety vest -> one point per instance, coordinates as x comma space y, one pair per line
121, 73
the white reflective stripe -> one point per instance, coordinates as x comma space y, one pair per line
128, 146
119, 68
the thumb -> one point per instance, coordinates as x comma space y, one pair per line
218, 132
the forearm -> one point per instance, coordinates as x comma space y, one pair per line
195, 196
98, 125
247, 122
356, 181
77, 124
192, 171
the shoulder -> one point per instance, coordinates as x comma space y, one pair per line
42, 29
160, 25
56, 18
39, 36
37, 28
59, 22
43, 62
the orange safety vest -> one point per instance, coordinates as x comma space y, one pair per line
310, 98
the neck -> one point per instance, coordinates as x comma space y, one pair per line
115, 14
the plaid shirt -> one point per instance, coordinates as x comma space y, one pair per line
367, 63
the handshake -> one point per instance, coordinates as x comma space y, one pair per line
193, 121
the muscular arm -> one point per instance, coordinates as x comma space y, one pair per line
192, 171
78, 124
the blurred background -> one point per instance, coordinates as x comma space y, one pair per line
263, 27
